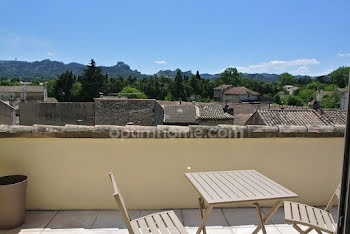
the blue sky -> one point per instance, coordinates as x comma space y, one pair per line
297, 36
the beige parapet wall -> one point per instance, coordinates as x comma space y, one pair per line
166, 131
72, 173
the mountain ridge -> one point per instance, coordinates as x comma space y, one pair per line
47, 69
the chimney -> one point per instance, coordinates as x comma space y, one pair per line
230, 111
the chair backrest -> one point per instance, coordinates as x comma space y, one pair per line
120, 202
334, 199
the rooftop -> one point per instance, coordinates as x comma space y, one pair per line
334, 116
23, 88
221, 220
342, 90
180, 114
240, 91
212, 111
300, 117
222, 87
6, 104
193, 112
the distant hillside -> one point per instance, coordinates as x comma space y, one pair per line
262, 76
171, 74
48, 69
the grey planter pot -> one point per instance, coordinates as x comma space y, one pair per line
12, 200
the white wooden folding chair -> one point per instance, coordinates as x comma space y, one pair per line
162, 222
314, 218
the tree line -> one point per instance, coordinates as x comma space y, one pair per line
93, 83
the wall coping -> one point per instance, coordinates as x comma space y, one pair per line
169, 131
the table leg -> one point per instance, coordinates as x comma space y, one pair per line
260, 217
201, 208
204, 219
269, 215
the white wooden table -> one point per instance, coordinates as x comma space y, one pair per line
230, 187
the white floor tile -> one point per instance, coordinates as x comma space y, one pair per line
192, 218
73, 219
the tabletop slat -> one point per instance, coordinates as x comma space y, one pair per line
236, 192
249, 184
224, 185
238, 183
270, 182
213, 194
237, 186
219, 190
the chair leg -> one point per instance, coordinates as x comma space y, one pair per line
308, 230
299, 229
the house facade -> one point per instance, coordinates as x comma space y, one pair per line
290, 89
231, 94
117, 111
23, 93
7, 114
344, 94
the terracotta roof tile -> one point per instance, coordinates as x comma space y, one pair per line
289, 117
180, 114
334, 116
189, 114
212, 111
240, 91
221, 87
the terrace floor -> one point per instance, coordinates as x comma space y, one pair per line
221, 220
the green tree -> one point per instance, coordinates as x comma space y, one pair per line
195, 84
131, 92
76, 91
330, 87
277, 99
92, 81
50, 87
307, 95
64, 83
340, 76
287, 79
330, 102
294, 100
230, 77
178, 87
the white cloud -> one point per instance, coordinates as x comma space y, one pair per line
344, 54
302, 70
50, 54
326, 72
160, 62
277, 66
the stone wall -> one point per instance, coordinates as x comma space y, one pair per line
214, 122
57, 113
110, 111
166, 131
7, 114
